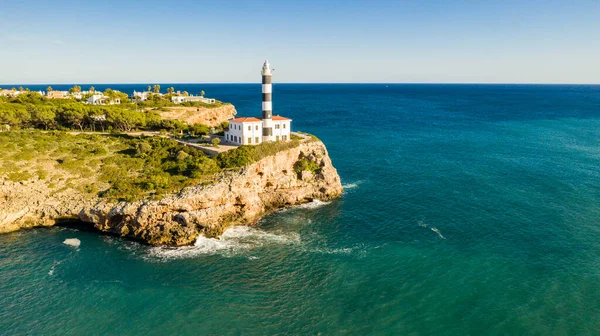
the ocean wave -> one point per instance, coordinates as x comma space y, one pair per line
234, 241
51, 271
311, 205
353, 185
436, 230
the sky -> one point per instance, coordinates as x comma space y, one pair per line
309, 41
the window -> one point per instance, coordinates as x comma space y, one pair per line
276, 126
256, 140
249, 128
277, 138
249, 140
284, 137
257, 127
283, 125
226, 136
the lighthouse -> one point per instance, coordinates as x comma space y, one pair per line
254, 131
267, 103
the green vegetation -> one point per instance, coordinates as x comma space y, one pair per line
132, 168
31, 110
305, 164
119, 167
245, 155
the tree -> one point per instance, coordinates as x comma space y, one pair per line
49, 89
75, 88
215, 142
149, 88
202, 93
199, 129
74, 114
92, 89
21, 88
185, 93
156, 88
171, 90
125, 120
42, 115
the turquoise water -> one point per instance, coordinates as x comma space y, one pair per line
469, 209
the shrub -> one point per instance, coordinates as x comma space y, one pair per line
305, 164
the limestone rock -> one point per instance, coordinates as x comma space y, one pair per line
238, 198
202, 115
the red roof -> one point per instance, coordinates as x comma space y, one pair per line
280, 118
245, 119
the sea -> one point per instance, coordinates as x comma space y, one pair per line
467, 210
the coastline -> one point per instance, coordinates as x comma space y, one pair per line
236, 198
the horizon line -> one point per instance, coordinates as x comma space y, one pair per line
303, 83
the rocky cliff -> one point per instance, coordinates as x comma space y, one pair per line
212, 116
238, 198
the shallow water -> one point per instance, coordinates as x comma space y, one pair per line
468, 209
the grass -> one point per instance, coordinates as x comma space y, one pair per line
119, 167
245, 155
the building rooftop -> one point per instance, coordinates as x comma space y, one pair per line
245, 119
280, 118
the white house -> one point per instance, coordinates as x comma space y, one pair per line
281, 128
185, 99
100, 99
57, 94
244, 131
142, 96
10, 93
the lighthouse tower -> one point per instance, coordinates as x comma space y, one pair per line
267, 106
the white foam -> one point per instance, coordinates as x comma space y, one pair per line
234, 241
72, 242
312, 205
342, 250
353, 185
438, 232
51, 271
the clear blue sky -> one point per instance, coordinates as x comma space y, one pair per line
306, 41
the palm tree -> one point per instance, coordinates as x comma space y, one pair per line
202, 93
49, 89
21, 88
156, 88
92, 89
185, 93
149, 88
171, 90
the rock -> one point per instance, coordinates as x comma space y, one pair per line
237, 198
72, 242
203, 115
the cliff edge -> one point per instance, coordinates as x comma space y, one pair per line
239, 197
210, 116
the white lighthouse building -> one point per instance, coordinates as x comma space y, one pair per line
253, 131
267, 102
